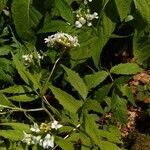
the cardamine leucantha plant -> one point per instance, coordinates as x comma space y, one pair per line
65, 66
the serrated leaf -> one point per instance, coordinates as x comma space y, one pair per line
21, 17
17, 125
93, 105
128, 93
16, 89
83, 52
123, 7
108, 145
119, 108
102, 92
16, 131
126, 69
4, 50
6, 65
65, 10
54, 26
64, 143
141, 46
92, 129
14, 135
142, 7
66, 100
95, 79
35, 17
76, 81
85, 140
4, 101
30, 79
105, 29
5, 77
23, 97
111, 137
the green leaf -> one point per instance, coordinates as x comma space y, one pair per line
93, 105
123, 7
76, 81
5, 77
142, 8
4, 101
15, 131
23, 97
111, 137
55, 26
35, 17
83, 52
85, 140
92, 129
14, 135
119, 108
16, 89
17, 125
30, 79
65, 10
64, 143
4, 50
95, 79
66, 100
6, 70
102, 92
141, 45
126, 90
2, 4
105, 29
21, 17
105, 145
6, 65
126, 69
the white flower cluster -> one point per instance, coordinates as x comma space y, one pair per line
63, 39
29, 57
38, 135
84, 16
86, 1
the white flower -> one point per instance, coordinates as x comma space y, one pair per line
40, 56
78, 24
35, 128
47, 142
82, 20
27, 138
92, 16
36, 139
27, 57
83, 16
86, 1
55, 125
95, 15
30, 139
47, 39
89, 24
63, 39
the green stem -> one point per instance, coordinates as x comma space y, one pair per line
21, 109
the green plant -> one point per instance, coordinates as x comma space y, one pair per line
53, 66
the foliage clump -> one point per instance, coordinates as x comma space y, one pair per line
59, 76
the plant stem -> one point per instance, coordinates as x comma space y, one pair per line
21, 109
